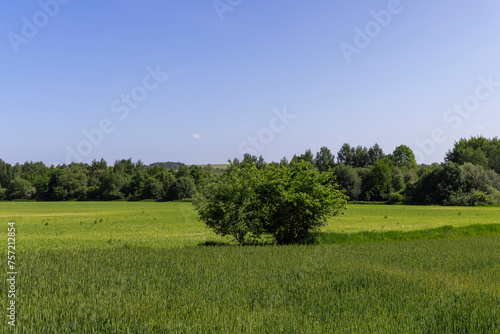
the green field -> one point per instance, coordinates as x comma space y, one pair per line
141, 267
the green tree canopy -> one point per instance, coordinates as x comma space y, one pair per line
403, 157
289, 202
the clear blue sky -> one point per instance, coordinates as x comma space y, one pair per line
229, 77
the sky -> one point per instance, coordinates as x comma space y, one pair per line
204, 81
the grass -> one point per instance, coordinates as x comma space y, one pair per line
62, 225
444, 232
449, 286
382, 218
138, 267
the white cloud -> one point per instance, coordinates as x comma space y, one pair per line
196, 136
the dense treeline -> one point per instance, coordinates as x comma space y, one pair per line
98, 181
478, 151
469, 176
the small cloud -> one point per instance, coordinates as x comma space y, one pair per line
480, 127
196, 136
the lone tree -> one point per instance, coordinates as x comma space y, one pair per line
288, 202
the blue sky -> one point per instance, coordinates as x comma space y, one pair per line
226, 73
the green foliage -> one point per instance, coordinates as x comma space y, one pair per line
378, 181
297, 201
324, 159
403, 157
478, 151
375, 154
345, 155
348, 180
307, 157
20, 189
290, 202
182, 188
229, 206
395, 198
153, 189
359, 156
362, 174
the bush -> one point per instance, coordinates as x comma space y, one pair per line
395, 198
288, 202
479, 198
182, 188
229, 205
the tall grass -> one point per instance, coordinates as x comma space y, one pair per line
445, 286
138, 268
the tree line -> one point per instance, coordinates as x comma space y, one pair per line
469, 175
98, 181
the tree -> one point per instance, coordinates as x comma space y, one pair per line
289, 202
375, 154
8, 173
297, 201
324, 159
345, 155
182, 188
476, 150
403, 157
183, 171
20, 189
378, 181
153, 188
348, 180
38, 175
229, 206
112, 184
307, 157
360, 157
98, 170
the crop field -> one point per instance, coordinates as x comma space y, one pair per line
144, 267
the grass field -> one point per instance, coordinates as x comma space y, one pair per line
138, 267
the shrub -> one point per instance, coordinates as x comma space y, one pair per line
395, 198
230, 205
288, 202
298, 200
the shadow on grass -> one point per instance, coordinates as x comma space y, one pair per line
322, 238
444, 232
212, 243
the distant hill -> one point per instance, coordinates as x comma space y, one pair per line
216, 166
177, 165
167, 165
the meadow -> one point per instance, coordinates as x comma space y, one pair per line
144, 267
